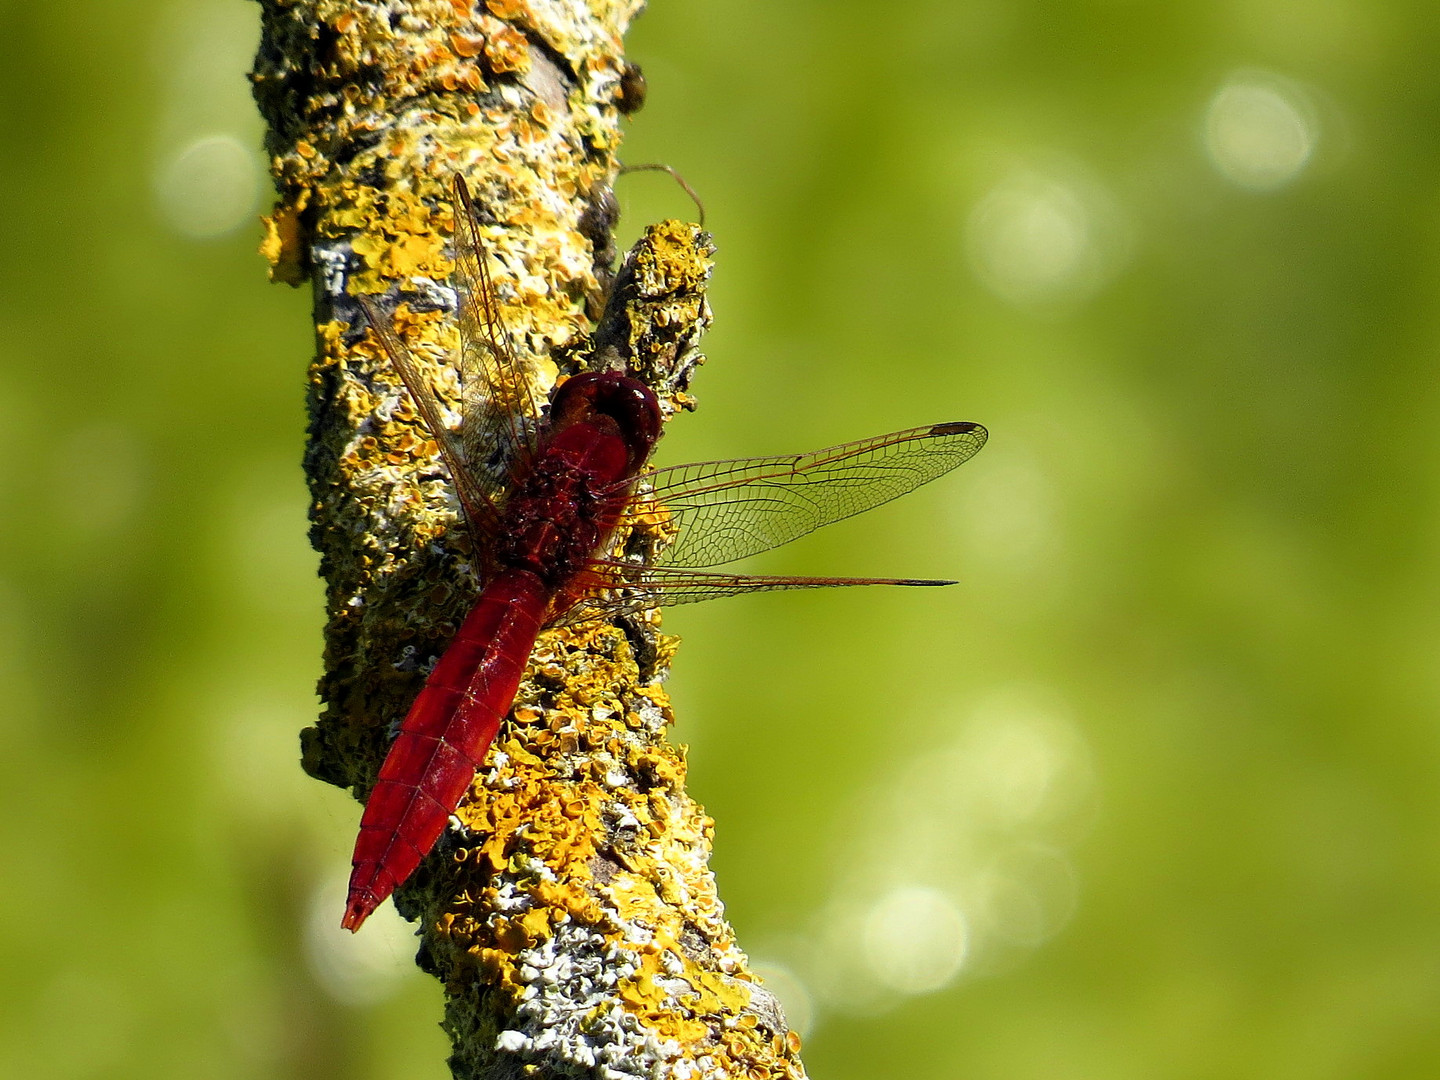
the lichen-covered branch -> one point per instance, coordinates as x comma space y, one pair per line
569, 911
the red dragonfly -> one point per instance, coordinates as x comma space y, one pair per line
548, 542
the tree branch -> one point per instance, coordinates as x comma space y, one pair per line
569, 911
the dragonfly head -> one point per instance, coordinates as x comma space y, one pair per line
616, 401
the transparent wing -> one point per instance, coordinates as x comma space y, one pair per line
478, 504
720, 511
622, 588
502, 411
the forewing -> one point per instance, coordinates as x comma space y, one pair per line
720, 511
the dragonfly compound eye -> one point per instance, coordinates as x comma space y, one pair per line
629, 403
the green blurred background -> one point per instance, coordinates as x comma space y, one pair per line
1152, 793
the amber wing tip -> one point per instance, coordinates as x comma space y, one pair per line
960, 427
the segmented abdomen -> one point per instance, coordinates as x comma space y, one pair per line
444, 738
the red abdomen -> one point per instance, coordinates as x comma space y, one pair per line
602, 427
444, 738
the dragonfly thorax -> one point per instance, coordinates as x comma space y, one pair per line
566, 503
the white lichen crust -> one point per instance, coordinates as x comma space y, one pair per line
592, 906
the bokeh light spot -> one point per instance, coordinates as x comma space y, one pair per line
1027, 896
915, 940
792, 993
210, 188
1037, 238
1260, 131
967, 868
357, 969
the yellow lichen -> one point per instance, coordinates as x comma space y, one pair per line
510, 10
282, 245
466, 45
507, 50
